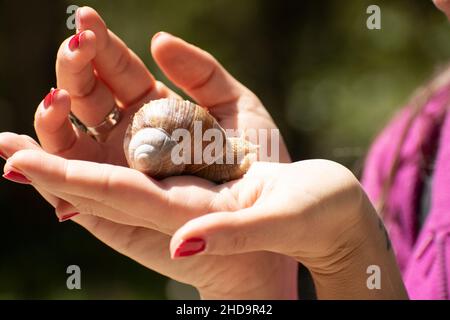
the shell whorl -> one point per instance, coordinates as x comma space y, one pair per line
148, 142
150, 149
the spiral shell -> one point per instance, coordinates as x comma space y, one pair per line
150, 143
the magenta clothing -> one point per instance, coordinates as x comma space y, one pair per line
423, 255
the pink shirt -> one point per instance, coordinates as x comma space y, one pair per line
423, 255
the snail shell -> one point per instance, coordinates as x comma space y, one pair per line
149, 143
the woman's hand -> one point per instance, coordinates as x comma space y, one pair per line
136, 215
99, 71
313, 211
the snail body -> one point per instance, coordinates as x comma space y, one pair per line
166, 138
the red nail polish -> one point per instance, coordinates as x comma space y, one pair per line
74, 43
48, 100
68, 216
16, 177
190, 247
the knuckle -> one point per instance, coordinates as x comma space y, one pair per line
204, 79
121, 63
66, 62
132, 238
106, 184
85, 89
64, 151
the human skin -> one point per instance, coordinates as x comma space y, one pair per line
121, 75
333, 230
312, 211
444, 6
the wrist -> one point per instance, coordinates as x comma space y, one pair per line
279, 285
348, 270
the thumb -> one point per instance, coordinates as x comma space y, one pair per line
227, 233
195, 71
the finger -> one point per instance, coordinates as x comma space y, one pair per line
227, 233
52, 124
115, 63
10, 143
117, 187
128, 240
79, 205
195, 71
444, 6
92, 99
56, 132
148, 247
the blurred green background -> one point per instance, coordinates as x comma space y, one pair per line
329, 82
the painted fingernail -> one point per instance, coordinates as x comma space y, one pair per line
48, 100
16, 177
2, 155
68, 216
190, 247
74, 43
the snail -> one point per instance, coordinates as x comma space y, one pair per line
169, 137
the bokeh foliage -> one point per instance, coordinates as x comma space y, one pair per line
329, 82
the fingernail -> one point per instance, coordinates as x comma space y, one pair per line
190, 247
74, 43
2, 155
16, 177
48, 100
68, 216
